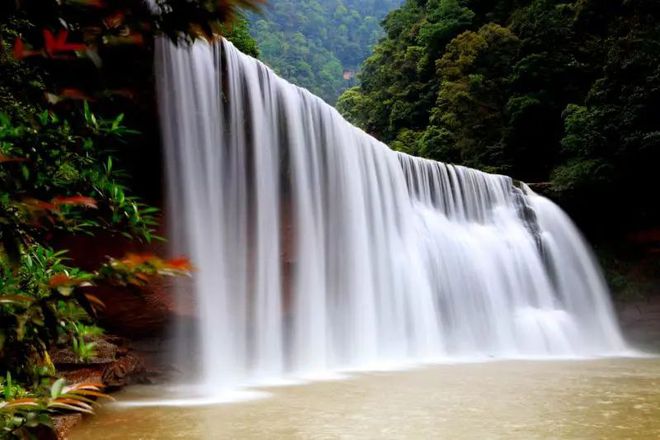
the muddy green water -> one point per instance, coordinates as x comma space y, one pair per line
600, 399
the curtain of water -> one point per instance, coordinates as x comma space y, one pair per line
318, 248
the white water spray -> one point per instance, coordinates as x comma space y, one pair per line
318, 248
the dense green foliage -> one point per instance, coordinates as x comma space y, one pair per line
239, 34
57, 177
312, 43
24, 415
561, 92
63, 133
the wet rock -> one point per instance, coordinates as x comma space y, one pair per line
640, 323
115, 364
127, 370
136, 312
131, 311
64, 357
63, 424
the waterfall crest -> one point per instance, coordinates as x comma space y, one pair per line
318, 248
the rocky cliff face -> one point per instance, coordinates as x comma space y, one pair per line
130, 311
640, 322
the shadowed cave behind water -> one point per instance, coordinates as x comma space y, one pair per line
318, 248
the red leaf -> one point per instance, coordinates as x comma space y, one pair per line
36, 204
75, 94
137, 39
94, 3
95, 300
114, 20
87, 202
64, 280
60, 280
19, 49
125, 93
55, 44
137, 259
7, 159
49, 41
179, 264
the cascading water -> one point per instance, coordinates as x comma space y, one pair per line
318, 248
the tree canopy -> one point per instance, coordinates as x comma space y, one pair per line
558, 92
319, 44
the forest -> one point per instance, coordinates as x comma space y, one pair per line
560, 94
319, 44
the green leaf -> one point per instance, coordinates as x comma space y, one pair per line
117, 122
38, 320
87, 112
65, 290
21, 320
56, 388
15, 299
43, 117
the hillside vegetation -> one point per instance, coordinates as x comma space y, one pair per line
563, 93
319, 44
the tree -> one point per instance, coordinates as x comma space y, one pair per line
474, 73
319, 44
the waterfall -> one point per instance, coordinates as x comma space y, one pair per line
317, 248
